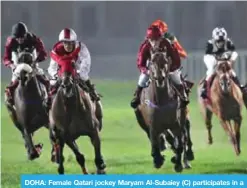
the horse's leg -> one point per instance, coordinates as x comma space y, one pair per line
237, 126
189, 151
208, 122
158, 159
179, 148
141, 122
55, 147
60, 156
99, 114
79, 157
170, 139
145, 127
187, 165
99, 161
32, 152
229, 130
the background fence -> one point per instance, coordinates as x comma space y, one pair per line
113, 31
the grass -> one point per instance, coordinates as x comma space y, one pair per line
125, 147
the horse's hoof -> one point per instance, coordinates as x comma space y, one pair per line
53, 159
187, 165
60, 170
159, 161
174, 159
210, 141
101, 171
33, 155
178, 167
84, 171
190, 155
38, 148
238, 151
103, 166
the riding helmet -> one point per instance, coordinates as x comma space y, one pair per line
19, 30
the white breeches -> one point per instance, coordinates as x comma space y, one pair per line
143, 79
175, 78
211, 63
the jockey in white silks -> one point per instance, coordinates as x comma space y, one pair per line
218, 45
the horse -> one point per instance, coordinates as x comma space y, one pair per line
225, 100
72, 115
28, 113
159, 110
188, 154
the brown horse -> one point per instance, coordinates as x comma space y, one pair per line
159, 110
225, 101
28, 113
72, 115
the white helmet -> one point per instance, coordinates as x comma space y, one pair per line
219, 34
67, 34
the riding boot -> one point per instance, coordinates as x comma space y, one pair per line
10, 89
183, 96
136, 100
204, 90
46, 83
92, 91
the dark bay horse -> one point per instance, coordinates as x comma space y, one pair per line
159, 110
72, 115
226, 102
28, 113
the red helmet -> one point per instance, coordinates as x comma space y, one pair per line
67, 34
153, 33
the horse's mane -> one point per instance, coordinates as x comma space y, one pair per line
224, 67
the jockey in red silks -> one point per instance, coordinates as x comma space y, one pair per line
164, 30
21, 40
69, 46
154, 38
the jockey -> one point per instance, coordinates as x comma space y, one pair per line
154, 37
164, 30
22, 39
66, 46
219, 44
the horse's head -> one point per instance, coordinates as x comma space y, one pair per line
24, 73
67, 74
159, 65
27, 56
223, 71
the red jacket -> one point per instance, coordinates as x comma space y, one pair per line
144, 55
58, 52
64, 59
30, 41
